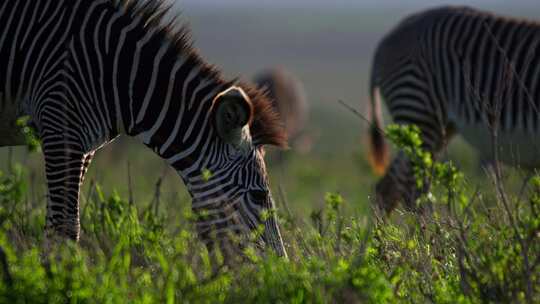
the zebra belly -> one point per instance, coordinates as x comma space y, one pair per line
516, 147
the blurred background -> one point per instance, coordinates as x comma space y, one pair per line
328, 45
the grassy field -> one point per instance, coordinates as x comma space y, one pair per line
475, 247
138, 245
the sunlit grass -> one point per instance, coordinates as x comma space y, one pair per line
145, 250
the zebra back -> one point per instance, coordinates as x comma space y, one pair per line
457, 69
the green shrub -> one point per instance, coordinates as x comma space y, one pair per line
471, 249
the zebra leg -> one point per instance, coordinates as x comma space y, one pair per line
65, 166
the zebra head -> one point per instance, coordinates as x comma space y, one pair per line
231, 196
399, 185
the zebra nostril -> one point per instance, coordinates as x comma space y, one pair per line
259, 195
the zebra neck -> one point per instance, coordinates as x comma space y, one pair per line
401, 172
182, 88
162, 89
175, 121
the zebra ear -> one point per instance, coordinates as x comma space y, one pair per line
232, 112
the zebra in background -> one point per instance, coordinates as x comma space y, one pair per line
456, 69
289, 100
88, 71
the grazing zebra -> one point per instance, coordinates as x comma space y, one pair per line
456, 69
86, 71
289, 100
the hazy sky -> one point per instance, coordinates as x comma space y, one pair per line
347, 3
328, 44
512, 7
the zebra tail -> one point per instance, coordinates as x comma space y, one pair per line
378, 153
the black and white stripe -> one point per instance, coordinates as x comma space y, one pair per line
458, 69
86, 71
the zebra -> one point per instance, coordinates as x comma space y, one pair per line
87, 71
455, 70
289, 100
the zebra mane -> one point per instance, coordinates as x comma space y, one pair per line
266, 127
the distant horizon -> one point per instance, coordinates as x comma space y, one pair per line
522, 8
340, 3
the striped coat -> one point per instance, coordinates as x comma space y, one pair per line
87, 71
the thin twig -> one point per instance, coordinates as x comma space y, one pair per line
157, 191
493, 110
361, 116
157, 195
8, 279
522, 191
10, 160
358, 114
528, 59
130, 184
285, 204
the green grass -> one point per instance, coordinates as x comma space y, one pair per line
472, 249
